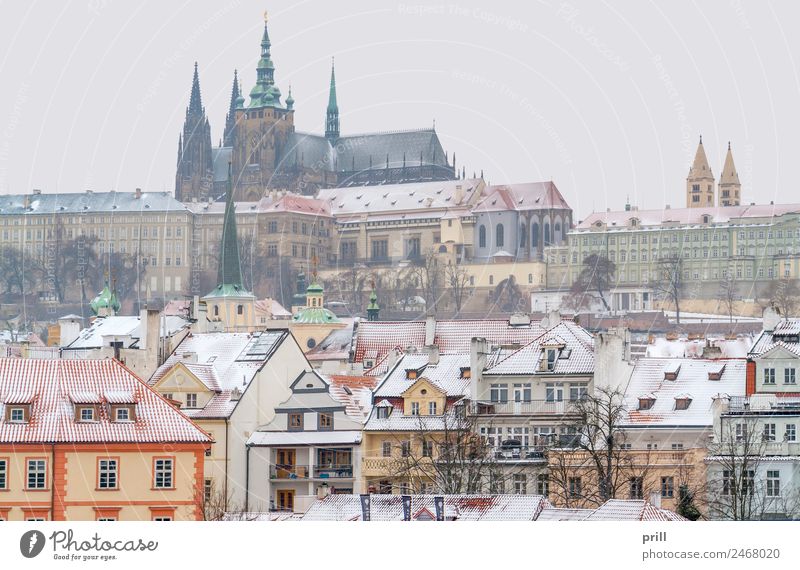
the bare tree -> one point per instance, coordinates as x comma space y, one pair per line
428, 274
669, 283
18, 273
214, 505
458, 280
728, 294
785, 295
508, 297
593, 465
596, 276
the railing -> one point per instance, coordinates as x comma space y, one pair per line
763, 403
530, 407
525, 453
327, 471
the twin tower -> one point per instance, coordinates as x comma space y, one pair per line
700, 182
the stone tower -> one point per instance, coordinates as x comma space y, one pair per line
730, 189
230, 118
262, 131
700, 182
195, 173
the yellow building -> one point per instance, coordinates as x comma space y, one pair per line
88, 440
312, 323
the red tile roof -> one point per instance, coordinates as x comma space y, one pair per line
49, 385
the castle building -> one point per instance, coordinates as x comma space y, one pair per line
266, 152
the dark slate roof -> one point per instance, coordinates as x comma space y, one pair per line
313, 151
220, 157
88, 203
396, 145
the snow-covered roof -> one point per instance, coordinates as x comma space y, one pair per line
685, 348
648, 378
575, 357
296, 438
445, 374
785, 334
335, 346
118, 327
223, 361
456, 507
53, 387
631, 510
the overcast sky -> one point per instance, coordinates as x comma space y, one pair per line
605, 98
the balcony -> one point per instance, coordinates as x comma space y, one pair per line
529, 408
329, 471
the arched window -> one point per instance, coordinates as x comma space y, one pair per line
534, 235
523, 236
500, 235
482, 236
239, 310
546, 233
216, 310
557, 235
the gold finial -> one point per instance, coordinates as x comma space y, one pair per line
266, 16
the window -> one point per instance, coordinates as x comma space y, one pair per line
427, 448
789, 376
499, 235
727, 482
431, 408
748, 482
295, 422
520, 484
239, 309
636, 487
162, 518
122, 414
191, 400
741, 432
208, 489
542, 485
677, 446
386, 448
16, 415
414, 408
554, 392
380, 249
769, 376
37, 473
667, 487
482, 236
162, 473
522, 392
383, 413
498, 393
326, 421
3, 473
551, 357
405, 448
577, 392
107, 473
773, 483
769, 432
574, 485
791, 432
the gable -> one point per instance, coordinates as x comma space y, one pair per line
777, 352
180, 378
309, 382
416, 390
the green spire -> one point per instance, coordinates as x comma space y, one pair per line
265, 93
332, 115
106, 302
230, 271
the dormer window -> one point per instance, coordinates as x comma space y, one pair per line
549, 357
86, 414
383, 413
646, 403
682, 402
412, 373
466, 372
17, 415
671, 371
716, 373
122, 414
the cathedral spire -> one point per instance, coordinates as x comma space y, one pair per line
332, 115
730, 189
265, 93
700, 182
230, 118
195, 102
229, 272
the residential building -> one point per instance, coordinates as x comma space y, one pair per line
230, 383
88, 440
313, 444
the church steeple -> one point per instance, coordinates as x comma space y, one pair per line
332, 115
700, 182
194, 173
229, 273
265, 93
730, 189
230, 118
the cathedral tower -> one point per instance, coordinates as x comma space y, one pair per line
730, 189
332, 114
195, 173
700, 182
262, 130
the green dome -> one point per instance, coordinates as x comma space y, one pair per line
314, 316
106, 299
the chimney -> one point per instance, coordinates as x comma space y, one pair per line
772, 318
37, 191
433, 354
430, 330
612, 357
458, 195
553, 318
69, 329
478, 350
149, 330
711, 350
138, 193
519, 320
655, 499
